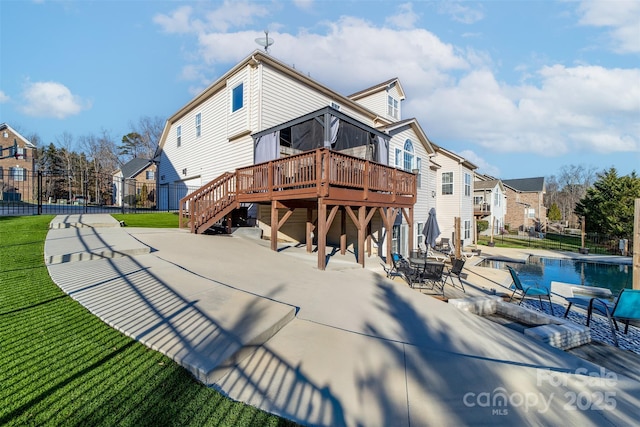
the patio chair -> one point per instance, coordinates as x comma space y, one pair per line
626, 308
529, 291
443, 245
455, 271
431, 276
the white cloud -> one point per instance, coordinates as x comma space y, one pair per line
405, 18
621, 16
570, 109
484, 166
4, 97
51, 99
177, 21
303, 4
230, 14
460, 13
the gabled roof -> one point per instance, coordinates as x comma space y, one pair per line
134, 166
526, 185
413, 124
377, 88
466, 163
487, 185
254, 59
26, 142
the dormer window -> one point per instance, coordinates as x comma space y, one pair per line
392, 107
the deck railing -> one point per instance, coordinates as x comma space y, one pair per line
306, 175
319, 170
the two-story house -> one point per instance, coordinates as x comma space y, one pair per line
454, 193
264, 112
17, 160
490, 203
525, 204
134, 184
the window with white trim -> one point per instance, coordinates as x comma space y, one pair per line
467, 184
398, 158
419, 168
198, 124
467, 229
420, 236
408, 155
237, 97
496, 200
151, 175
18, 174
179, 136
392, 104
447, 182
531, 213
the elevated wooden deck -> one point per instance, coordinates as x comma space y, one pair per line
321, 180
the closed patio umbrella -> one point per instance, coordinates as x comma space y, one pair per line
431, 229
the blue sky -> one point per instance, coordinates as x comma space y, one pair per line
520, 88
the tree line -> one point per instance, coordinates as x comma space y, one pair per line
604, 200
84, 165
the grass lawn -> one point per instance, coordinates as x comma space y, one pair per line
60, 365
155, 220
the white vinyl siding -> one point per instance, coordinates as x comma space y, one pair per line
285, 99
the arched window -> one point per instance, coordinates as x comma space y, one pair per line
408, 155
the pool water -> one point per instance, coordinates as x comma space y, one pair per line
545, 270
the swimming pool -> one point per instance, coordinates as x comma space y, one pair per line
545, 270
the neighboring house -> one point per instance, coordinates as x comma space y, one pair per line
135, 184
525, 208
454, 194
490, 203
17, 160
263, 110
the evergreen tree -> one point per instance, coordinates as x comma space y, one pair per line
554, 213
608, 205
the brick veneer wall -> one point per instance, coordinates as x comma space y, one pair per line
515, 216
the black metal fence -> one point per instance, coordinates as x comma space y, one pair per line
27, 193
594, 243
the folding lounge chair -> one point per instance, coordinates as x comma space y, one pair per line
626, 308
455, 271
531, 291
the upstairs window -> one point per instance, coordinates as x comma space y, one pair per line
179, 136
408, 155
467, 184
237, 97
198, 124
447, 182
151, 175
392, 107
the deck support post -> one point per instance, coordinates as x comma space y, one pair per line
343, 231
274, 225
309, 230
322, 234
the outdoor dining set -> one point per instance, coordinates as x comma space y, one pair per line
425, 270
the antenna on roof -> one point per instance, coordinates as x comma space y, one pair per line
265, 41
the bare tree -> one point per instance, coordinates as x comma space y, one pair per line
573, 182
150, 131
65, 146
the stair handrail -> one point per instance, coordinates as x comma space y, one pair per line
203, 204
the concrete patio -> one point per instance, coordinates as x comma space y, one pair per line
345, 346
